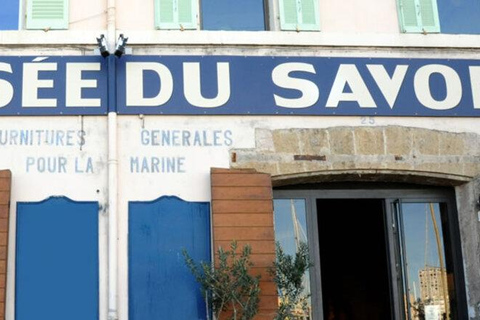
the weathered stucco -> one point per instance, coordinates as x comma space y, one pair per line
469, 221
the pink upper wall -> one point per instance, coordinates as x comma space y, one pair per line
139, 16
357, 16
345, 16
88, 14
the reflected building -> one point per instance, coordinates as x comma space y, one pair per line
432, 291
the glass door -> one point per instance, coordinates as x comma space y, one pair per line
424, 263
388, 253
290, 221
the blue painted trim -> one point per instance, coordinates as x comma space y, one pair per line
112, 85
56, 198
160, 284
165, 198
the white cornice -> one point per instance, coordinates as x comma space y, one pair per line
272, 38
244, 38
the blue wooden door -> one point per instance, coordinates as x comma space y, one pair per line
56, 274
160, 284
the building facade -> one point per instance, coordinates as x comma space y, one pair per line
352, 127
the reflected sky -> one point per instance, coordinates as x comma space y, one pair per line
244, 15
284, 224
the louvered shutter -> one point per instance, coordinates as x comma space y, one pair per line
175, 14
429, 14
419, 16
302, 15
47, 14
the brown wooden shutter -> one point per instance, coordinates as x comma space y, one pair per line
5, 183
242, 210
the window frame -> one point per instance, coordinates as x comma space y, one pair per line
389, 195
272, 19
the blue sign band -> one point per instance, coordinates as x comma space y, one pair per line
53, 86
234, 85
300, 86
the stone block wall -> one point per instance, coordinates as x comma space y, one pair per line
393, 148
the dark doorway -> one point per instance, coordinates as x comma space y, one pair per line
354, 259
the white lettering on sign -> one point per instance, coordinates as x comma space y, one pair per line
44, 87
421, 84
32, 83
76, 84
348, 75
475, 81
193, 87
309, 90
6, 88
134, 84
390, 87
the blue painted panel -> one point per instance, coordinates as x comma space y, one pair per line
9, 15
459, 16
57, 260
160, 284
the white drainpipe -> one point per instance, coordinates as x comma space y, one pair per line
112, 182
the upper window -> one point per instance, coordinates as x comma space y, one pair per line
245, 15
419, 16
9, 15
434, 16
39, 15
459, 17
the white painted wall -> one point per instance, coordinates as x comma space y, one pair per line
193, 184
31, 181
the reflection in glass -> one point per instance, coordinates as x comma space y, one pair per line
426, 270
245, 15
290, 231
